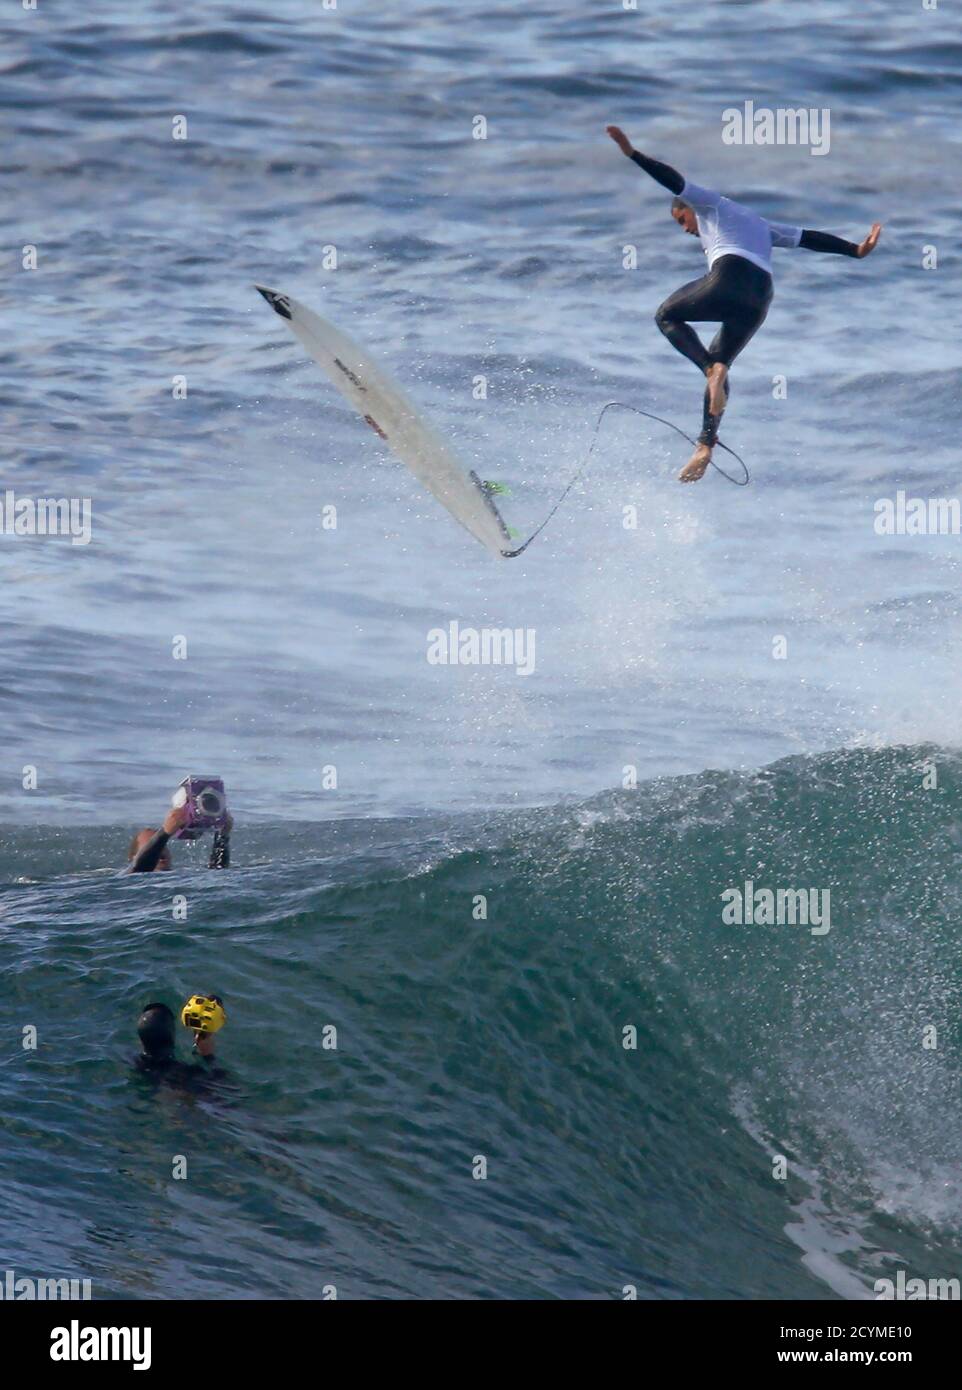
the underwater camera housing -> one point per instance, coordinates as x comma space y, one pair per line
206, 803
204, 1013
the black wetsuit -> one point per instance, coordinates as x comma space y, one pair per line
147, 859
736, 292
183, 1076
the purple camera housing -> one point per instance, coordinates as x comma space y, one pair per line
206, 803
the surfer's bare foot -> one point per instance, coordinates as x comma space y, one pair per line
696, 465
717, 400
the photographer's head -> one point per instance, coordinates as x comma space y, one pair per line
142, 838
155, 1029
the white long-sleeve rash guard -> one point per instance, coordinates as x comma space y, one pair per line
727, 228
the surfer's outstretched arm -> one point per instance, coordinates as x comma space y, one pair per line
825, 241
150, 854
662, 173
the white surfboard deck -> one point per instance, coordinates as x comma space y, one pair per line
383, 405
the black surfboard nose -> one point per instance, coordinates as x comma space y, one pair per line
278, 302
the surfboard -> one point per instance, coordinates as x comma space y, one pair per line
381, 403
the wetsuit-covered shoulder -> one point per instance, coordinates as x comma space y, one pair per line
199, 1078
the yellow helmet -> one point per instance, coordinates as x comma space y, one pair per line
204, 1013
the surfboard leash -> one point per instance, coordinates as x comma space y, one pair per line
621, 405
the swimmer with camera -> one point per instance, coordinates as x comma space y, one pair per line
203, 1014
199, 804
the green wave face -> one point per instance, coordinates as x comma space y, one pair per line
554, 992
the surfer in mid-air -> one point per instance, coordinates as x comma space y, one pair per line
737, 290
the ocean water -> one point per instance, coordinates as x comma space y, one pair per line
749, 684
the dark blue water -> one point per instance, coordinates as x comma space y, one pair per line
310, 129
